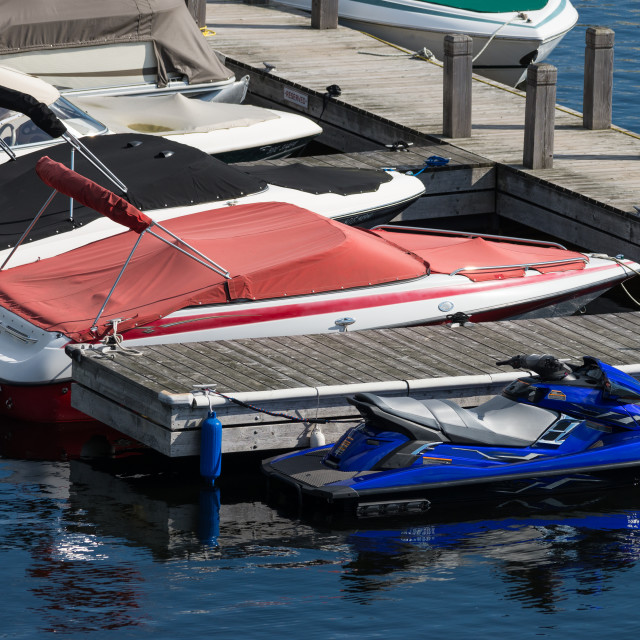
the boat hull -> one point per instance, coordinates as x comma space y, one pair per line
116, 69
268, 151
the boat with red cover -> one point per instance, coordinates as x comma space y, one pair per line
278, 270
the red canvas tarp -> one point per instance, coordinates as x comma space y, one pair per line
446, 254
271, 250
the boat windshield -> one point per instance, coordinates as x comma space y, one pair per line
18, 131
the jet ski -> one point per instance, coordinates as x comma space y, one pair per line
564, 428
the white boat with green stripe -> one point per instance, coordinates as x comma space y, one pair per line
508, 35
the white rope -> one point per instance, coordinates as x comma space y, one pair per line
495, 33
622, 284
622, 264
424, 54
113, 344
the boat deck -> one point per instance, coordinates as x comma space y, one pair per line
155, 398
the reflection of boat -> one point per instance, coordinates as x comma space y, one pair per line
508, 35
231, 132
565, 429
114, 48
539, 557
278, 270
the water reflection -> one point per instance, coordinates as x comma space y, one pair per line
101, 539
540, 558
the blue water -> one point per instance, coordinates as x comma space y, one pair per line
132, 552
624, 18
127, 553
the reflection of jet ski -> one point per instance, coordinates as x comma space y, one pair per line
568, 428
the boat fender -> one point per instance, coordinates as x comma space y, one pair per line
316, 439
210, 447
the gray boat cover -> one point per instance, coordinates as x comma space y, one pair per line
32, 25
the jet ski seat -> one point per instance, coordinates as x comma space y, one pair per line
500, 422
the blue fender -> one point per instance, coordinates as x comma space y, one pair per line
210, 447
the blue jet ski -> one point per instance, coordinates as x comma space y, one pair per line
567, 428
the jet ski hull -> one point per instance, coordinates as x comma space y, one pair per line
313, 485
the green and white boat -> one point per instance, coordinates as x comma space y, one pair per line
508, 35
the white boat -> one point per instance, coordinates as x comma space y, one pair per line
508, 35
231, 132
269, 269
115, 48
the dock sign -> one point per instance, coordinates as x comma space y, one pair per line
297, 97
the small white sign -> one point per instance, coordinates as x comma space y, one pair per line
297, 97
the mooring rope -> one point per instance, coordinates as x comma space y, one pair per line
495, 33
276, 414
622, 284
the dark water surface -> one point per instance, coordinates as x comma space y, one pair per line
131, 552
122, 551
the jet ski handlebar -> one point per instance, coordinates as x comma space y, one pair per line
546, 366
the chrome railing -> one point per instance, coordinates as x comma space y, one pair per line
468, 234
525, 266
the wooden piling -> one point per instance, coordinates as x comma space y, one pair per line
598, 78
539, 117
198, 9
458, 51
324, 14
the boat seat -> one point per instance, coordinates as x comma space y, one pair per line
403, 414
500, 422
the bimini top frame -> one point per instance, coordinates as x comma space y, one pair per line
116, 208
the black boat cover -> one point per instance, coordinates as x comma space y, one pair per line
344, 182
158, 173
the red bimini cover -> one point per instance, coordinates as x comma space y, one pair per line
271, 250
492, 260
91, 194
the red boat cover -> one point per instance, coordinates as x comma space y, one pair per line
91, 194
446, 254
272, 250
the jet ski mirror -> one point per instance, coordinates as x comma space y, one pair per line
617, 390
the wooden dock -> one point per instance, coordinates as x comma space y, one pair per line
155, 397
387, 96
588, 196
460, 194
